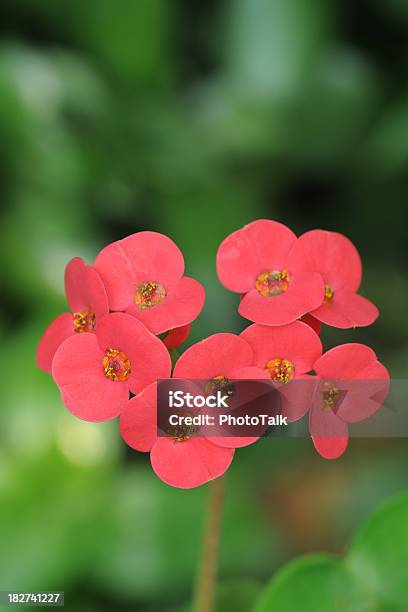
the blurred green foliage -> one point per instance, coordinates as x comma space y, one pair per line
191, 119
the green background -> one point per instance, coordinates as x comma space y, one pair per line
189, 118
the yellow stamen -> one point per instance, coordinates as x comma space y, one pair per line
84, 321
116, 365
181, 432
329, 394
273, 282
328, 294
280, 370
219, 383
149, 293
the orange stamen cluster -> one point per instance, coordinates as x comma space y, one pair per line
116, 365
181, 432
280, 370
272, 283
149, 294
219, 383
84, 321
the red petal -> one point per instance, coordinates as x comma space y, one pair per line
262, 245
304, 294
58, 331
218, 355
250, 373
331, 448
148, 356
177, 336
331, 254
234, 441
324, 423
190, 463
297, 396
364, 396
329, 433
363, 380
84, 288
347, 310
345, 361
127, 263
138, 421
296, 342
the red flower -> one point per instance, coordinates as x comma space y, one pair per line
338, 261
95, 372
180, 460
143, 275
287, 353
88, 302
353, 385
257, 261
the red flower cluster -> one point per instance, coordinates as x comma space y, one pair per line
107, 346
134, 305
315, 278
318, 273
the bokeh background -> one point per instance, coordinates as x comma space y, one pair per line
189, 118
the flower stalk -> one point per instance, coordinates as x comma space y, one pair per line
207, 568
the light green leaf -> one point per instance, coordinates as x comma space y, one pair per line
378, 556
306, 584
371, 578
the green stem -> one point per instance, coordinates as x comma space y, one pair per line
207, 569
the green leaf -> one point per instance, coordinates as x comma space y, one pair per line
378, 556
306, 584
371, 577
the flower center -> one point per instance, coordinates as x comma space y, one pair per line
116, 365
84, 321
149, 294
219, 383
328, 294
181, 432
330, 396
280, 370
273, 282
